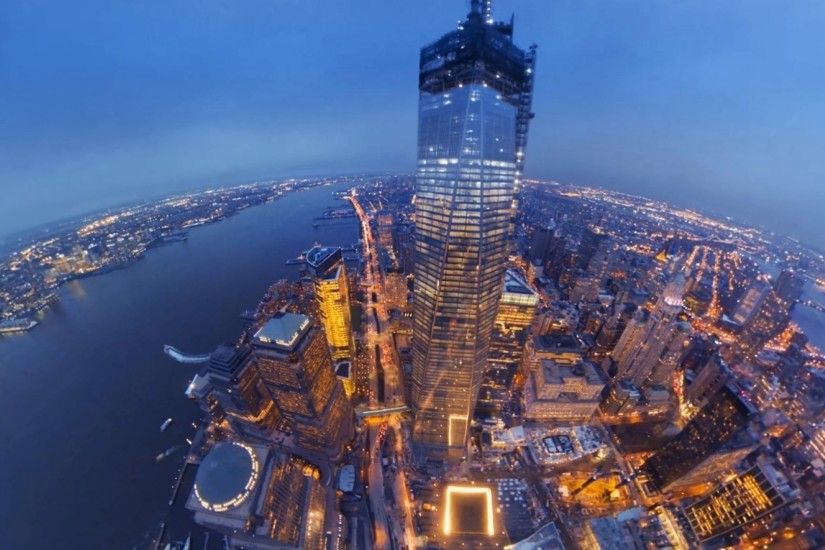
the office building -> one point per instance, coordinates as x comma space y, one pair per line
295, 365
403, 240
701, 442
563, 349
332, 297
516, 311
565, 393
475, 89
772, 316
626, 399
750, 302
517, 305
232, 394
593, 240
622, 398
654, 340
545, 244
385, 225
748, 497
706, 383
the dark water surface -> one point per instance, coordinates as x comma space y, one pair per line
811, 321
83, 395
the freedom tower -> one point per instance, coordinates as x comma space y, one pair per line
475, 93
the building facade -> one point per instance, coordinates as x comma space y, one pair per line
516, 312
563, 393
295, 365
701, 442
736, 503
654, 342
232, 394
332, 297
474, 96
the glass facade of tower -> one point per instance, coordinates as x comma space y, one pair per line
707, 433
472, 84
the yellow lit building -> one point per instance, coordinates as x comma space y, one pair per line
332, 295
294, 364
733, 505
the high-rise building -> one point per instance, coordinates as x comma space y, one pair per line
788, 286
516, 311
592, 239
385, 224
676, 343
750, 302
565, 393
591, 278
746, 498
295, 365
706, 435
545, 243
404, 246
517, 305
475, 90
332, 296
231, 392
654, 342
772, 316
705, 384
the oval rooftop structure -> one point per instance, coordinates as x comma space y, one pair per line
226, 476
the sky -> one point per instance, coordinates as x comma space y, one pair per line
712, 105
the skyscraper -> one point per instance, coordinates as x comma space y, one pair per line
736, 503
294, 363
475, 89
654, 341
772, 316
591, 240
702, 443
544, 244
230, 391
750, 302
516, 311
332, 296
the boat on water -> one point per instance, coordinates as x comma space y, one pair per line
17, 325
185, 545
167, 453
165, 424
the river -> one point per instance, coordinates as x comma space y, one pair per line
811, 321
84, 394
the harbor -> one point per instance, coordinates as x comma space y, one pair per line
109, 332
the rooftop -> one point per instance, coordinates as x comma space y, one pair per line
283, 330
343, 369
321, 258
546, 538
514, 283
562, 374
559, 342
226, 359
331, 274
226, 476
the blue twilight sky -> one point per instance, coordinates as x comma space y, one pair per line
713, 104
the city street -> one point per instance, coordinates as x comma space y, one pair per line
377, 335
